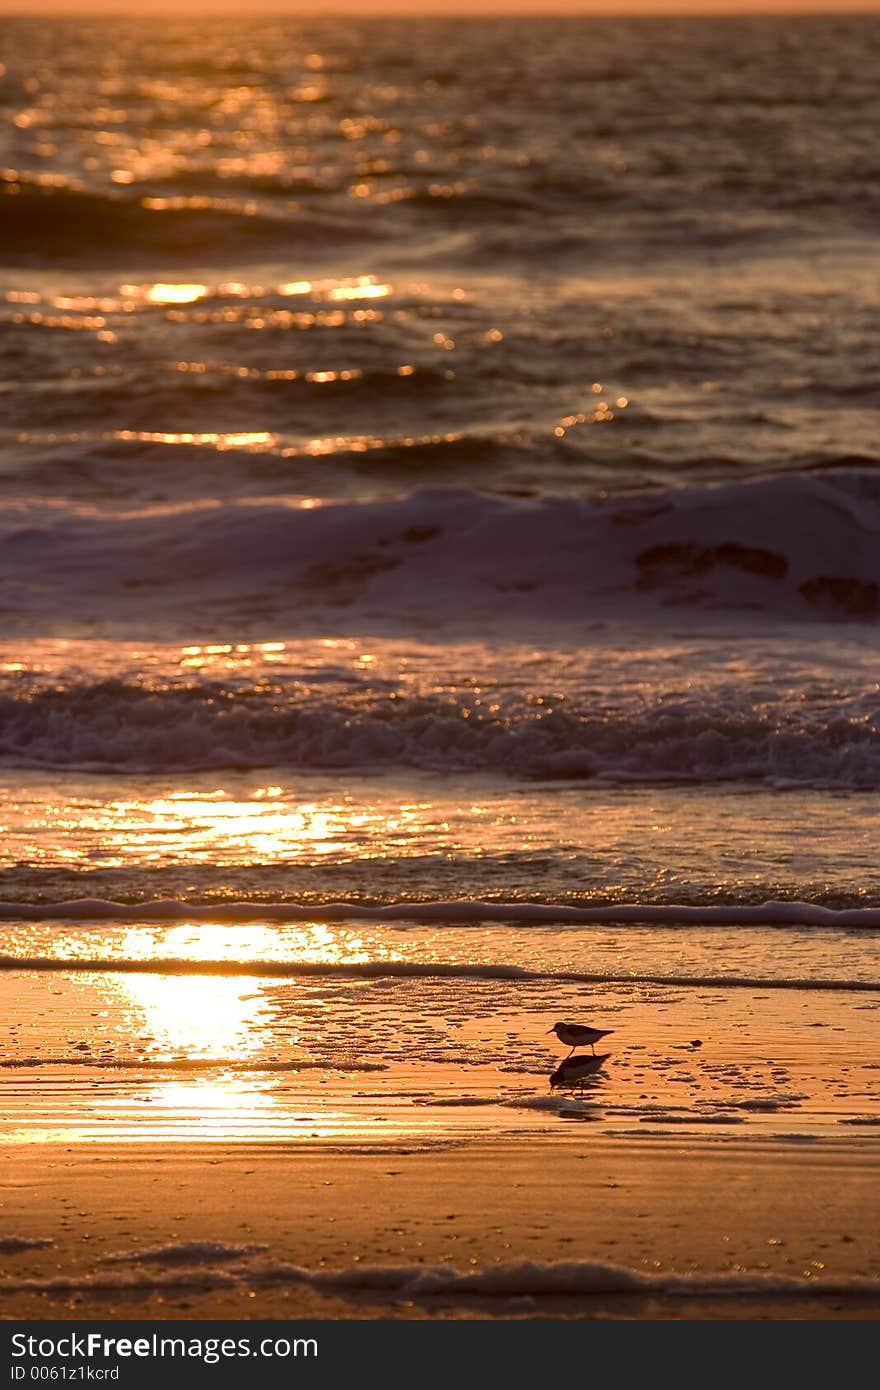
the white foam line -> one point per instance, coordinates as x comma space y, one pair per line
191, 1252
408, 970
523, 1278
511, 1280
195, 1064
456, 913
14, 1245
193, 1281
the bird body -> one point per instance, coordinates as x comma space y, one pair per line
579, 1035
574, 1071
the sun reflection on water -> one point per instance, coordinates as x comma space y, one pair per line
241, 823
314, 943
213, 1105
193, 1016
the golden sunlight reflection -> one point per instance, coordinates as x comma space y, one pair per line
213, 1105
163, 292
265, 827
259, 825
175, 294
254, 824
193, 1015
363, 289
265, 441
315, 943
247, 439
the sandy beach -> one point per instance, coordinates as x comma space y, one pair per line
328, 1144
439, 599
279, 1231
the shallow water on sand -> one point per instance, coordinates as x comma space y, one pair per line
439, 468
388, 1036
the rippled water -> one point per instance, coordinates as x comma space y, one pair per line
467, 397
439, 466
559, 256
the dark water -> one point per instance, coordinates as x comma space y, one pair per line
481, 398
681, 213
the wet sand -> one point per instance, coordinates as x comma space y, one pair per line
252, 1230
335, 1146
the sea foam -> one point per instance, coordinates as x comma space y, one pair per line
802, 546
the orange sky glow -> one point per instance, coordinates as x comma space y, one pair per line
293, 8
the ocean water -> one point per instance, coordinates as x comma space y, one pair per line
439, 561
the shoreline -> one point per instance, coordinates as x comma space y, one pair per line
659, 1227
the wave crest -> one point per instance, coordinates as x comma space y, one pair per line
70, 226
715, 736
799, 547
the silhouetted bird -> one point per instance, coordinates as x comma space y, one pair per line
578, 1034
575, 1070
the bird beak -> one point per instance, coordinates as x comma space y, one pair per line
551, 1030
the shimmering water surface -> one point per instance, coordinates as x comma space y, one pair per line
438, 466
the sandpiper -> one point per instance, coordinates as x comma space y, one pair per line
575, 1070
578, 1035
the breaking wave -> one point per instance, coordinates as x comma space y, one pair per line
449, 913
184, 1268
799, 546
705, 737
71, 226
